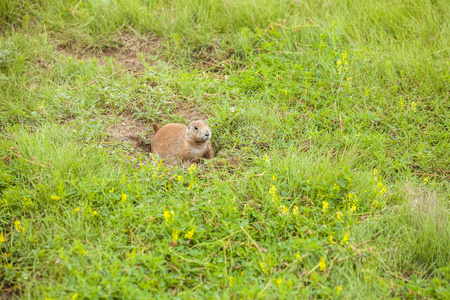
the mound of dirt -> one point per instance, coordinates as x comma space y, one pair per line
125, 53
138, 132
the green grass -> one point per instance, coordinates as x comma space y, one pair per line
331, 127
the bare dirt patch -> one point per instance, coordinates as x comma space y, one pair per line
138, 132
125, 53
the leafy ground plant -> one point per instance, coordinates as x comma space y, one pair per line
330, 125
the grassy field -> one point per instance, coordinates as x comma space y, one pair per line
330, 125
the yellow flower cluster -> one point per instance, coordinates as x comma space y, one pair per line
27, 202
273, 192
339, 215
322, 264
283, 209
379, 190
175, 234
331, 240
56, 198
353, 201
124, 198
413, 106
345, 238
19, 227
82, 251
190, 234
325, 206
340, 63
264, 268
192, 168
279, 281
169, 216
2, 238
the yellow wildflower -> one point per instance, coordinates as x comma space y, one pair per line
274, 178
295, 210
349, 81
339, 215
124, 179
77, 210
283, 209
169, 216
297, 256
331, 240
264, 268
325, 206
279, 281
231, 281
175, 233
55, 197
375, 204
425, 180
179, 178
266, 159
190, 234
191, 185
192, 168
345, 238
353, 209
124, 198
335, 187
2, 238
19, 227
375, 172
82, 252
273, 189
111, 190
413, 106
93, 213
75, 296
339, 65
352, 198
338, 289
322, 265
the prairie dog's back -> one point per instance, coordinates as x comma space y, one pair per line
166, 141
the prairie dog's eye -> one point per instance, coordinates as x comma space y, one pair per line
195, 127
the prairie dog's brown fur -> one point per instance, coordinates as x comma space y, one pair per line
177, 143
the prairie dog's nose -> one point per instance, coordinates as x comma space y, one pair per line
207, 134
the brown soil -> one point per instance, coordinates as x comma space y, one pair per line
125, 53
138, 132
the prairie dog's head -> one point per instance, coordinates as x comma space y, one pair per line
198, 131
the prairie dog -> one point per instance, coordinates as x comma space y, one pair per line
177, 143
